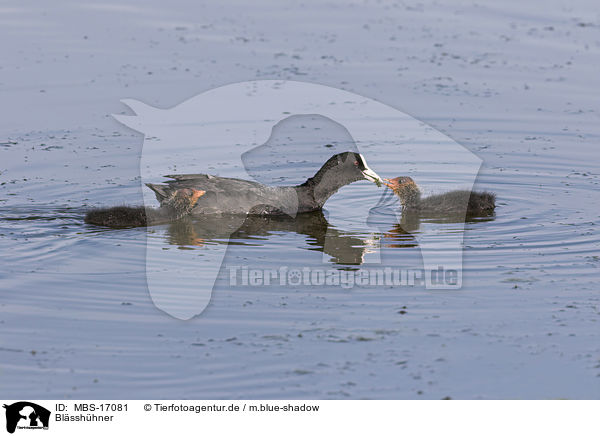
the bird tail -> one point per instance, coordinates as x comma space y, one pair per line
161, 191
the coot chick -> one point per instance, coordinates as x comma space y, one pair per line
179, 204
226, 195
453, 203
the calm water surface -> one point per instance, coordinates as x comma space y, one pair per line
528, 272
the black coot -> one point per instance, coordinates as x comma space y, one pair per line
236, 196
203, 194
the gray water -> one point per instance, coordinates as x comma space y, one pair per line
516, 86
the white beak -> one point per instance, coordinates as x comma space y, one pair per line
369, 174
372, 176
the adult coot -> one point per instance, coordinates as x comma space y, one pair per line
236, 196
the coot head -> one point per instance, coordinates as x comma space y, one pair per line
349, 167
399, 182
406, 189
339, 170
367, 173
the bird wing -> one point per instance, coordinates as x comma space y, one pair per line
227, 195
188, 176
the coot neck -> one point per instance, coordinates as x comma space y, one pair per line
410, 196
326, 182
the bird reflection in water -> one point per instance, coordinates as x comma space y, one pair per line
345, 248
392, 227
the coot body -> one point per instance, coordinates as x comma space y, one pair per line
236, 196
